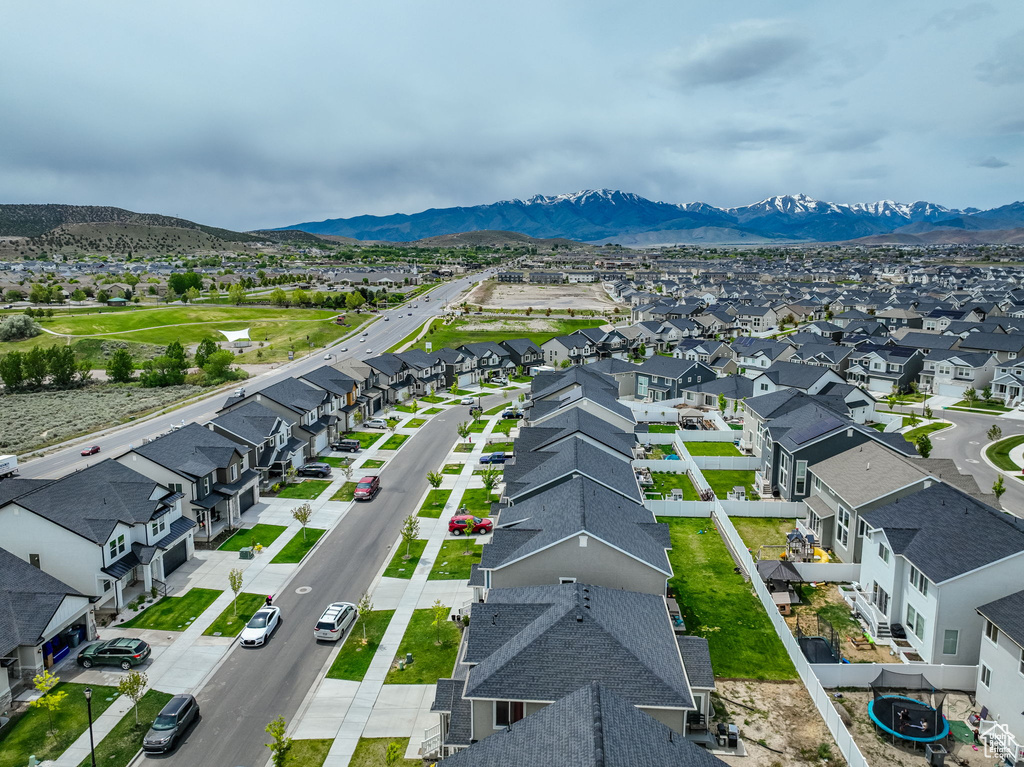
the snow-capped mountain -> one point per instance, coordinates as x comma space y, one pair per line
608, 215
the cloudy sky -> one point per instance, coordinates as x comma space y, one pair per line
258, 114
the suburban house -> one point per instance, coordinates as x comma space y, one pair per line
908, 575
952, 372
40, 616
755, 319
665, 378
491, 359
272, 448
809, 379
734, 388
100, 530
307, 407
344, 391
756, 354
523, 352
579, 424
559, 391
625, 637
1008, 382
620, 371
210, 471
885, 368
576, 349
534, 471
460, 368
1001, 665
832, 356
1005, 346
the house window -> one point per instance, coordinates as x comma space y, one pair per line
641, 386
116, 547
843, 527
175, 487
915, 622
158, 526
507, 712
992, 632
986, 675
817, 484
234, 472
206, 485
950, 639
862, 528
801, 477
783, 470
919, 581
883, 553
1021, 667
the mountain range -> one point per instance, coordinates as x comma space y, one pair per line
606, 215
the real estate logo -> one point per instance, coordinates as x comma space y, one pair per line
1000, 744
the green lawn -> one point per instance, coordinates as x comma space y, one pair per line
335, 461
717, 603
250, 536
399, 567
500, 329
431, 660
464, 447
478, 501
665, 481
499, 447
406, 408
354, 658
662, 428
366, 438
307, 489
372, 463
433, 411
230, 624
496, 409
723, 481
174, 613
370, 753
394, 442
477, 426
991, 405
344, 492
736, 426
414, 423
999, 452
505, 425
878, 426
452, 563
433, 399
452, 468
762, 531
913, 434
308, 753
30, 733
521, 379
434, 503
458, 392
712, 448
123, 742
298, 547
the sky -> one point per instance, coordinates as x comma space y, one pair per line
259, 114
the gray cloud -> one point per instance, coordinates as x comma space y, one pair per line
954, 18
743, 52
991, 162
1006, 65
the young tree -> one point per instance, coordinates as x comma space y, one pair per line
365, 607
49, 700
928, 413
354, 300
206, 347
392, 754
440, 612
971, 395
347, 470
191, 295
290, 474
924, 446
102, 296
994, 434
133, 686
463, 430
410, 529
78, 295
722, 403
278, 297
236, 294
434, 478
998, 487
986, 393
302, 514
279, 745
491, 476
235, 582
453, 388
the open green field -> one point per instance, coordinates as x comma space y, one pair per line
718, 604
537, 329
762, 531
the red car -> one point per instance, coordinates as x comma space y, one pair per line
91, 450
462, 523
366, 488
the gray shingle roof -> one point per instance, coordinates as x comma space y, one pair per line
945, 532
591, 727
330, 379
538, 469
192, 450
696, 660
868, 471
575, 421
251, 422
795, 374
28, 599
295, 395
1008, 614
527, 644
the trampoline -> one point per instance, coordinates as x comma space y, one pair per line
819, 642
904, 718
818, 650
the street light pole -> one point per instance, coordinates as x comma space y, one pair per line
92, 745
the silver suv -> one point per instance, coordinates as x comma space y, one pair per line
335, 621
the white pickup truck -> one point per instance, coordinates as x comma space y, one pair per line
8, 465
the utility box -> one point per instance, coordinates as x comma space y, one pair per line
245, 553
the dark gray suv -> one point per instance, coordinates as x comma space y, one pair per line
171, 723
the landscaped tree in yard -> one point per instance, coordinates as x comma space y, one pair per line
50, 700
279, 745
986, 393
410, 529
347, 470
235, 582
440, 612
971, 395
290, 474
463, 430
454, 387
994, 434
721, 402
998, 487
302, 514
393, 753
491, 477
133, 686
924, 446
928, 414
365, 607
434, 479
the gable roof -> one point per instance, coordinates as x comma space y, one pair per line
537, 469
192, 450
294, 394
575, 421
1008, 615
867, 472
330, 379
795, 375
29, 598
252, 422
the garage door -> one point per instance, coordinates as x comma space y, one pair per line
951, 390
247, 499
174, 558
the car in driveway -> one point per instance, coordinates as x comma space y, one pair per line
511, 414
347, 446
493, 458
366, 488
170, 725
315, 469
469, 524
124, 652
376, 423
91, 450
260, 626
335, 621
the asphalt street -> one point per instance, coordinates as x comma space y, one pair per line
253, 686
380, 337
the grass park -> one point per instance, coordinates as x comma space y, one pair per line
479, 329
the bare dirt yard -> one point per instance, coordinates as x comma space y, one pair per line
500, 295
778, 724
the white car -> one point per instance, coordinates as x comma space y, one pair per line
259, 628
467, 401
376, 423
335, 621
362, 340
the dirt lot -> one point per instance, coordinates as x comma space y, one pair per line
827, 602
783, 728
500, 295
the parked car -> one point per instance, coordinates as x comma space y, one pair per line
511, 414
492, 458
315, 469
500, 380
366, 488
376, 423
91, 450
180, 713
467, 401
347, 446
335, 621
386, 318
259, 628
467, 523
123, 652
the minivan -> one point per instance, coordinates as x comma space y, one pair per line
347, 446
171, 723
336, 619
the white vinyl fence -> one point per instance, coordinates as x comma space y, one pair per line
844, 740
727, 462
780, 509
828, 572
680, 508
960, 678
709, 435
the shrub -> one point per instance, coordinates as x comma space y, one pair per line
18, 326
